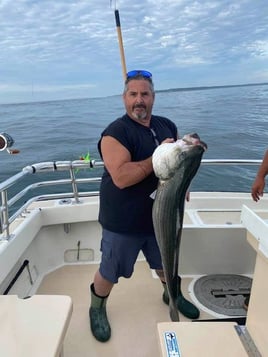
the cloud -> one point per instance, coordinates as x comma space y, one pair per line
259, 49
64, 44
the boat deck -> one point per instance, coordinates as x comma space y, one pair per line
134, 308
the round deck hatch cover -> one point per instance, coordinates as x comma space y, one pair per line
223, 293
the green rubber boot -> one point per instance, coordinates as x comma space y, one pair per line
184, 306
99, 323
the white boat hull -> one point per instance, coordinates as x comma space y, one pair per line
213, 240
59, 240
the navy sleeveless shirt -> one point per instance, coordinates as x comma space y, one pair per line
129, 210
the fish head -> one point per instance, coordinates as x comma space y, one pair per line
169, 157
192, 140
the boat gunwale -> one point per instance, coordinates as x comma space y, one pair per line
7, 204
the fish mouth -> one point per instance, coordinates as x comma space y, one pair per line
194, 140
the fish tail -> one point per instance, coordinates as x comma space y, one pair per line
173, 312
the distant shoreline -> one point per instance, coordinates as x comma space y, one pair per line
183, 89
209, 87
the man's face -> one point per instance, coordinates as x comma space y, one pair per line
139, 101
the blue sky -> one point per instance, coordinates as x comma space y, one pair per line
61, 49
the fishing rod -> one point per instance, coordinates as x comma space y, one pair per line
120, 40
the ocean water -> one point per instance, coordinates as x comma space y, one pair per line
232, 121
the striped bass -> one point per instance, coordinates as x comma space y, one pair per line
175, 164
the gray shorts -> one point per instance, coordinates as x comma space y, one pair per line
120, 252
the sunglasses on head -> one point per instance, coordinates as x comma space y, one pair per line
139, 72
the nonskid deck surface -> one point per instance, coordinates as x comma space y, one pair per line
134, 308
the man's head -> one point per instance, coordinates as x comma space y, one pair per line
139, 96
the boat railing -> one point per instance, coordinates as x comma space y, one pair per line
7, 211
10, 208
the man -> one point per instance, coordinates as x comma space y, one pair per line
126, 147
259, 182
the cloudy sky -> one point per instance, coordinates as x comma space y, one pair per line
60, 49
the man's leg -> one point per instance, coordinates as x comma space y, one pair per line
99, 323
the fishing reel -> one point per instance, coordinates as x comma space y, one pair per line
6, 141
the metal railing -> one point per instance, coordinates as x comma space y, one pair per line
44, 167
61, 166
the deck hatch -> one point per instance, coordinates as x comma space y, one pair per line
223, 293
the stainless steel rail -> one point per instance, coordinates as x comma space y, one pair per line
7, 204
43, 167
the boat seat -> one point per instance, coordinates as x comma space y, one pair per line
34, 327
198, 339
